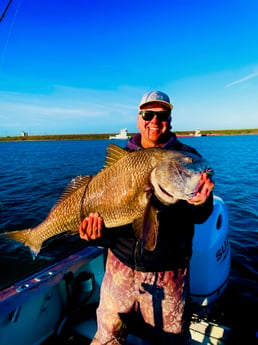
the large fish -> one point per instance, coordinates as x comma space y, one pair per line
121, 193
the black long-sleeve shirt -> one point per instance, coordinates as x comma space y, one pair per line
176, 229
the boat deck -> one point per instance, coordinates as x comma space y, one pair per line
76, 332
48, 303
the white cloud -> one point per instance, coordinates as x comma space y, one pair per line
242, 80
67, 110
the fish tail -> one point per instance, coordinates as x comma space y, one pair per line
25, 237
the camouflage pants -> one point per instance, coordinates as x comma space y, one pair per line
159, 296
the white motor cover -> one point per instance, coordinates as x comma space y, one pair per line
210, 262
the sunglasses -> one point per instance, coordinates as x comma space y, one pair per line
148, 115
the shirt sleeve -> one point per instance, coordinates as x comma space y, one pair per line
202, 212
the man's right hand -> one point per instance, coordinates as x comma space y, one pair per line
91, 227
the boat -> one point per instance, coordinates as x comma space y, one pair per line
198, 133
123, 134
58, 303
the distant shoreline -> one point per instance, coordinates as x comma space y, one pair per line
107, 135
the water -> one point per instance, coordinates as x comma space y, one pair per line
34, 174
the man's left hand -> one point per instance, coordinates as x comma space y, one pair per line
204, 189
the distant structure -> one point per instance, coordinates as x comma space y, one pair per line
24, 134
197, 133
123, 134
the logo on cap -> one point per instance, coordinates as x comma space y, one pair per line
155, 96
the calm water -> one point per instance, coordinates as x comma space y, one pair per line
34, 174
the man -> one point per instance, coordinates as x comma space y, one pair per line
152, 284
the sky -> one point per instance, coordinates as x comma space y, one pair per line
81, 66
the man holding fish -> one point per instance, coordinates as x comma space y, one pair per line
152, 285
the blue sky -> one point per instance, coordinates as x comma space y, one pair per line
80, 66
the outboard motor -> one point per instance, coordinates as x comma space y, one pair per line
210, 262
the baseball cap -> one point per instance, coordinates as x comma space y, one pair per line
155, 96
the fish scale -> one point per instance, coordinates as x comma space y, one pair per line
122, 185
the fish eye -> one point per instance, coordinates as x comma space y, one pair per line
187, 159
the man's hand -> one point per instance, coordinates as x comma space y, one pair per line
91, 227
204, 189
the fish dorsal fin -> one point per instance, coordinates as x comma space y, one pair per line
75, 184
114, 153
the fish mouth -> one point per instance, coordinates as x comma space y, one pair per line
164, 196
168, 198
165, 192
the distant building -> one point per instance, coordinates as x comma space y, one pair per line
24, 134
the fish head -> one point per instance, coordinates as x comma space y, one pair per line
176, 176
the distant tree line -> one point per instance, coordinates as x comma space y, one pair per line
106, 135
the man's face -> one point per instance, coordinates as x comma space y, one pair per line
153, 130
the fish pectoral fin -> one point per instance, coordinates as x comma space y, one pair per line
138, 228
146, 228
150, 227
